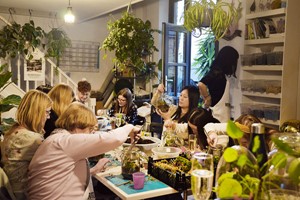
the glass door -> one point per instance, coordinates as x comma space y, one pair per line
176, 59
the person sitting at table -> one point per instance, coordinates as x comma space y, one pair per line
198, 118
83, 91
23, 138
124, 104
188, 100
244, 123
59, 168
62, 96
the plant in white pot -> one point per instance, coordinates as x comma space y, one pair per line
206, 13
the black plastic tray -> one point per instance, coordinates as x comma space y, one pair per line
178, 181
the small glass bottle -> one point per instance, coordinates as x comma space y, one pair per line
258, 144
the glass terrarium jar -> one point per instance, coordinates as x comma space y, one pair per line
170, 139
236, 173
130, 162
283, 173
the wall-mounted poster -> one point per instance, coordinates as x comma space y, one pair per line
34, 69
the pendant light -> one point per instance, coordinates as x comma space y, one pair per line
69, 16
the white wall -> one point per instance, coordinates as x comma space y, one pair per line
96, 30
154, 10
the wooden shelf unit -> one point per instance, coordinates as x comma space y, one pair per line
288, 73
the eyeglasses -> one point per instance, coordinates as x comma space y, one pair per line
123, 100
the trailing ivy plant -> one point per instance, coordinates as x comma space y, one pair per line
132, 41
16, 39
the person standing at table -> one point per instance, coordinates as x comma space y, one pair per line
83, 91
62, 96
124, 104
23, 139
59, 168
214, 86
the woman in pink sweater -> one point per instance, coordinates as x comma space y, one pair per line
59, 168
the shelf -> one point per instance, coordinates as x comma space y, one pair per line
256, 94
269, 13
276, 38
271, 122
263, 68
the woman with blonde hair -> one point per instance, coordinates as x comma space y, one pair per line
23, 139
61, 158
62, 96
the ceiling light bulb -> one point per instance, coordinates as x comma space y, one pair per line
69, 17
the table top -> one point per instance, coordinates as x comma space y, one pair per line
113, 180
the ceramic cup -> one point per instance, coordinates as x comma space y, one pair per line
138, 180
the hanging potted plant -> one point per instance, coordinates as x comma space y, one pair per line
206, 13
133, 43
57, 42
16, 39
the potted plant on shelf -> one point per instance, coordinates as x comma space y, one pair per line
132, 41
206, 13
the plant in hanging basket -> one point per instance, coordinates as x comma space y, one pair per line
57, 42
16, 39
133, 43
206, 13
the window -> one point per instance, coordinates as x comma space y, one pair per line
200, 62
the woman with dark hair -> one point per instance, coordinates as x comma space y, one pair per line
176, 117
198, 118
188, 100
214, 86
124, 104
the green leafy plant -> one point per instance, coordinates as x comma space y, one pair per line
57, 42
133, 43
16, 39
9, 102
245, 179
205, 54
219, 16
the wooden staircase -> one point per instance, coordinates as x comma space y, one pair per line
25, 80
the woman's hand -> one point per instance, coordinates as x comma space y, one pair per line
207, 102
135, 134
212, 138
100, 166
164, 115
170, 124
161, 88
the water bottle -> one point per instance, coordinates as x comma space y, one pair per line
258, 144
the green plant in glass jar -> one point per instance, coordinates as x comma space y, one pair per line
130, 162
